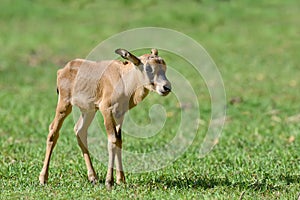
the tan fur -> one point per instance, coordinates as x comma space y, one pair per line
113, 87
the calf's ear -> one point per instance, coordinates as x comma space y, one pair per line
128, 56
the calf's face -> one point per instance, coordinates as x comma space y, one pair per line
153, 68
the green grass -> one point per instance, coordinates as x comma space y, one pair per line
256, 47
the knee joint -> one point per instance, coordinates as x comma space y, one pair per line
115, 142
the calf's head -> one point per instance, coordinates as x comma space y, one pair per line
153, 68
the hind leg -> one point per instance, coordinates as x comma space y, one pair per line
63, 109
80, 129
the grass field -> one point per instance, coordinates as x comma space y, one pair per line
255, 44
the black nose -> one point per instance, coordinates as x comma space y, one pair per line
167, 88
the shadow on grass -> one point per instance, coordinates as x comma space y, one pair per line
207, 182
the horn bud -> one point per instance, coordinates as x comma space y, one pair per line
154, 52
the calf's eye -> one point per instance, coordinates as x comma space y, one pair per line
148, 68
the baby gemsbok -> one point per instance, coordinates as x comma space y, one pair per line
113, 87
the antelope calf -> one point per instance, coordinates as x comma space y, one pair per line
113, 87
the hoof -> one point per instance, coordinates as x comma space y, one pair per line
93, 181
120, 178
42, 179
93, 178
108, 185
121, 182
